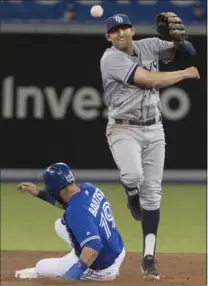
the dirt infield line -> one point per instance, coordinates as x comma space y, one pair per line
176, 269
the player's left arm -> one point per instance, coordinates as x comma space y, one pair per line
175, 44
86, 232
168, 50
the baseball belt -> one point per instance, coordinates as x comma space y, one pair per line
145, 122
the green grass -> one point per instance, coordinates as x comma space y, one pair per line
27, 223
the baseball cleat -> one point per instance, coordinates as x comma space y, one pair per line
134, 207
149, 268
27, 273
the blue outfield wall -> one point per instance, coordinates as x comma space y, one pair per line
105, 176
139, 11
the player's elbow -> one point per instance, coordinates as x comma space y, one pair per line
145, 78
152, 83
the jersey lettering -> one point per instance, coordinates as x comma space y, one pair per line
96, 201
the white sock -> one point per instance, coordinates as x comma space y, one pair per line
150, 240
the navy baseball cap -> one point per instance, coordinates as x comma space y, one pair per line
117, 20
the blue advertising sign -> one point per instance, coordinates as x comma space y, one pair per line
52, 109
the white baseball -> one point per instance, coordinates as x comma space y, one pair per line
96, 11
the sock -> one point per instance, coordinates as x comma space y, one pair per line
150, 222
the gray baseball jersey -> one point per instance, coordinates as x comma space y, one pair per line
127, 101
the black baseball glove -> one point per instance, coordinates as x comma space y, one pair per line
170, 26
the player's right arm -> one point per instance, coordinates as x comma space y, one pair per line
120, 67
89, 255
32, 189
154, 79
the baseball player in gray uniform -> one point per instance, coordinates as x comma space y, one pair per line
135, 134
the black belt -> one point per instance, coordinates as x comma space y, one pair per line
145, 122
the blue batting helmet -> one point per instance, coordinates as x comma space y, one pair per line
56, 177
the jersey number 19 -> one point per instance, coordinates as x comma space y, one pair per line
107, 220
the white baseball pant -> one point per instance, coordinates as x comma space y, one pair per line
53, 267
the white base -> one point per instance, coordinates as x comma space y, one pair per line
27, 273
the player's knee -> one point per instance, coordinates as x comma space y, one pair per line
49, 267
150, 199
61, 230
58, 226
132, 180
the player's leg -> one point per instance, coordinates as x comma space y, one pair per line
150, 196
53, 267
49, 267
61, 230
127, 155
107, 274
27, 273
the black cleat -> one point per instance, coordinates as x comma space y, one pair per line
133, 205
149, 268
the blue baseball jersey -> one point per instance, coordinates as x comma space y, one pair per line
90, 223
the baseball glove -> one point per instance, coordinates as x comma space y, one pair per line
170, 26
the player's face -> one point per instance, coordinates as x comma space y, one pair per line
121, 37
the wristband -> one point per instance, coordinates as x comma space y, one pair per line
43, 195
76, 271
